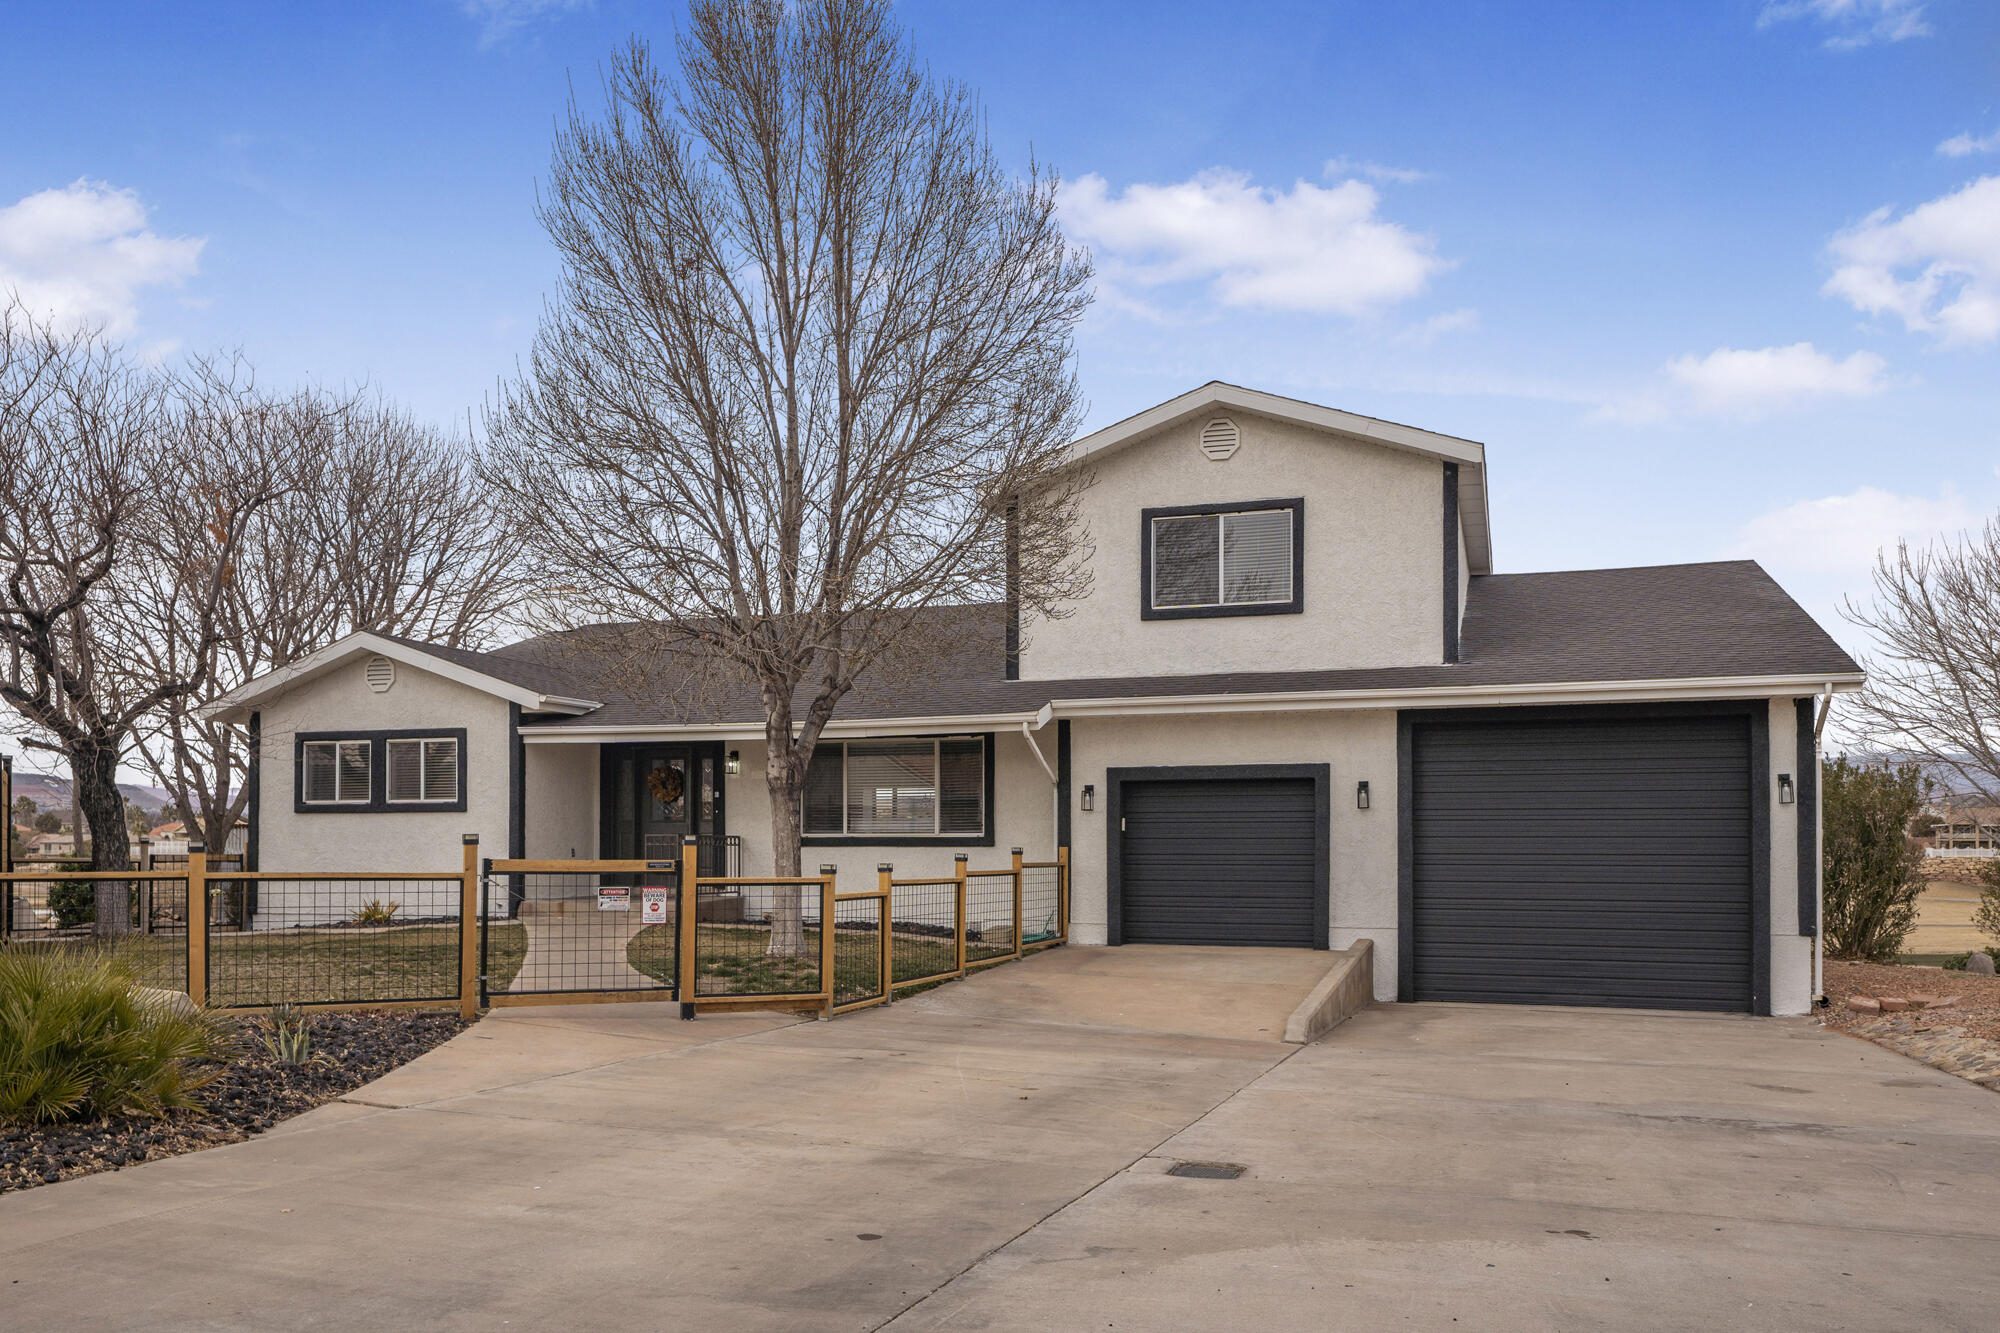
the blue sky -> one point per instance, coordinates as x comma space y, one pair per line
1708, 279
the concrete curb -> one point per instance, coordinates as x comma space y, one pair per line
1343, 992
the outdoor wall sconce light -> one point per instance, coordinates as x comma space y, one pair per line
1785, 789
1361, 796
733, 765
1089, 797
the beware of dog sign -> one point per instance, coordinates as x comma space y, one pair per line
653, 905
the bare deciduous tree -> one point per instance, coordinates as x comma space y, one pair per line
384, 529
84, 506
1933, 688
810, 359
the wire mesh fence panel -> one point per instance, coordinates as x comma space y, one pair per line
989, 915
923, 928
1041, 902
335, 940
757, 939
582, 931
857, 950
148, 932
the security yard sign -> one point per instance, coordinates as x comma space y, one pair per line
653, 905
614, 898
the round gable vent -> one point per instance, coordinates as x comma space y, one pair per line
381, 674
1219, 439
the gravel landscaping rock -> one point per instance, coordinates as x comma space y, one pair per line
1957, 1031
349, 1048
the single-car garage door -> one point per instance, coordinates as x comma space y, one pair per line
1220, 861
1582, 862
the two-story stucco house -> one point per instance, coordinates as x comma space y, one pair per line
1298, 708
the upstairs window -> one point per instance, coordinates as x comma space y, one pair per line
1223, 560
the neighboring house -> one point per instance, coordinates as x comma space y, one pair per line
51, 846
171, 839
1967, 831
1298, 708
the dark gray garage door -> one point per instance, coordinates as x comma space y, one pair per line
1565, 862
1219, 862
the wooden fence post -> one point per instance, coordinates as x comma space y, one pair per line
468, 928
145, 886
685, 912
197, 923
958, 932
1062, 894
1017, 902
826, 915
883, 874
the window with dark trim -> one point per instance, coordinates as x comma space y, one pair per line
900, 789
380, 771
1243, 559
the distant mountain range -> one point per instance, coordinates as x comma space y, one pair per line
52, 793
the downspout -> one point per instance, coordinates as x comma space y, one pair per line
1819, 848
1028, 730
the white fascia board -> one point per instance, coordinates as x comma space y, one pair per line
752, 731
1462, 696
1218, 394
236, 705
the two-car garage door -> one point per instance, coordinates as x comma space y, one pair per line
1548, 860
1582, 862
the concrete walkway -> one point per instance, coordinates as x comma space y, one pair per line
991, 1155
574, 946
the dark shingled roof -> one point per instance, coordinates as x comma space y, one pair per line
1661, 622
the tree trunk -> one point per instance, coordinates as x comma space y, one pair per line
94, 787
788, 934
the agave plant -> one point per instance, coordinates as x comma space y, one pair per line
376, 913
287, 1035
79, 1037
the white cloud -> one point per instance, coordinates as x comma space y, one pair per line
1312, 248
1965, 145
84, 252
1937, 267
1854, 23
1840, 534
501, 19
1749, 384
1337, 167
1463, 320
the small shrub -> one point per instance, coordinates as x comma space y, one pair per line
73, 901
79, 1038
377, 913
1986, 916
287, 1035
1874, 871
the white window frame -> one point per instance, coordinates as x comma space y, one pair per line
367, 796
937, 792
1220, 518
423, 771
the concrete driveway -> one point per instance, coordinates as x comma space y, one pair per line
987, 1157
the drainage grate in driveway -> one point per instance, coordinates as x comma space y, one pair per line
1207, 1170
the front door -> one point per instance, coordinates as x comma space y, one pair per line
652, 801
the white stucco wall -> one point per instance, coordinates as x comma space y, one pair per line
1358, 746
560, 791
1373, 558
1791, 952
1023, 816
324, 841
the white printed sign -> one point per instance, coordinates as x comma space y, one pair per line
614, 898
652, 906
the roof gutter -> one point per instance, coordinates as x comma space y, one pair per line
1456, 696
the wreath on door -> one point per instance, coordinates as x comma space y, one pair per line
667, 785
